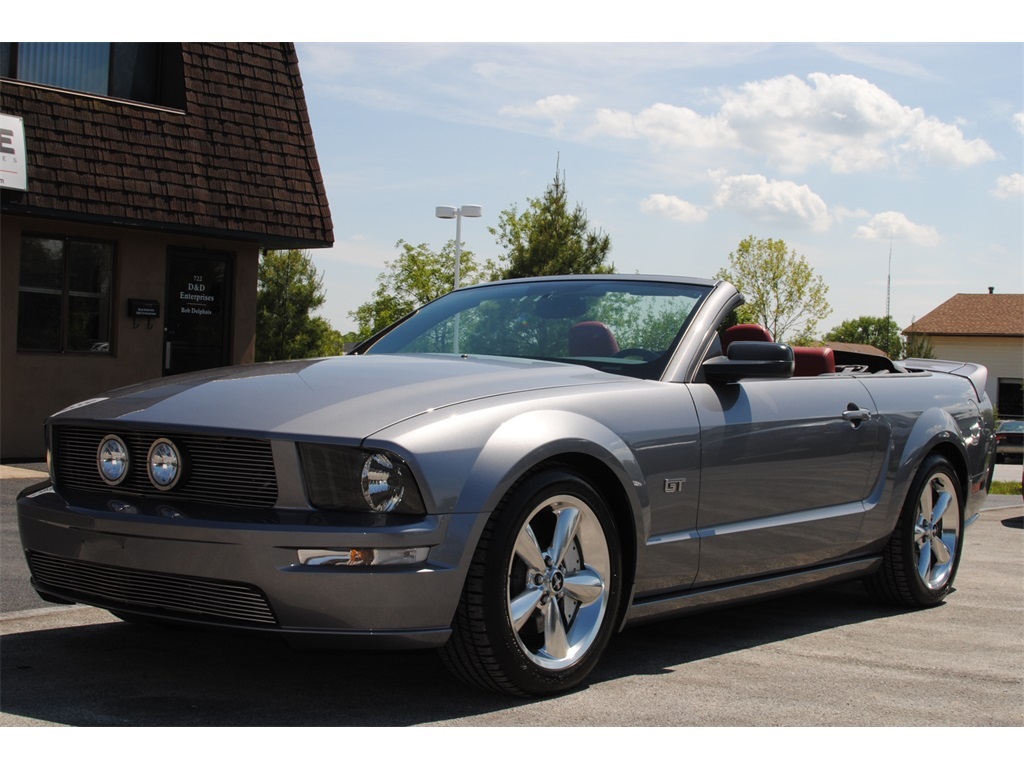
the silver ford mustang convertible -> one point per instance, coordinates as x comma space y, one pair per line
512, 474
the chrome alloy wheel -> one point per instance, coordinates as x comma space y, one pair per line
558, 582
936, 534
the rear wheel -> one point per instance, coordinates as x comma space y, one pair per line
921, 558
543, 590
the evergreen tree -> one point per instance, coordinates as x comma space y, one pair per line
550, 239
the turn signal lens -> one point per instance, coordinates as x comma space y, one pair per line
363, 556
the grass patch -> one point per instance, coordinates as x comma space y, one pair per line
1005, 488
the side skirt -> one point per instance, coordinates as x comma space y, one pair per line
662, 606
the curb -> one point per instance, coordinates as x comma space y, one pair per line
20, 473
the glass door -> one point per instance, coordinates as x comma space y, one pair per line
198, 315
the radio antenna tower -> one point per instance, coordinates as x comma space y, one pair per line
888, 282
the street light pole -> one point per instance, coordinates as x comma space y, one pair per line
451, 212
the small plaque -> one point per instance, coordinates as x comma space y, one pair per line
143, 308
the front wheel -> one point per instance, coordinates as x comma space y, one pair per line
921, 558
543, 590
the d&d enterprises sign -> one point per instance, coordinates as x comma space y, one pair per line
13, 163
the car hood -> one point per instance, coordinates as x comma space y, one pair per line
344, 397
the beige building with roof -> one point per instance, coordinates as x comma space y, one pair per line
138, 183
985, 328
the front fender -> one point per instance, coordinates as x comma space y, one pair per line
530, 439
466, 461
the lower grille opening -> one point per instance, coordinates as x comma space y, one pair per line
172, 595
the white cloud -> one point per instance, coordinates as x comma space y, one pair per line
682, 127
1009, 186
944, 144
1018, 122
672, 207
554, 108
770, 199
615, 123
841, 213
892, 224
839, 121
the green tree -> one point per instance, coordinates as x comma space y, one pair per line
880, 332
417, 276
782, 291
550, 239
289, 290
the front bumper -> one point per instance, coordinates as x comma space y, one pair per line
248, 575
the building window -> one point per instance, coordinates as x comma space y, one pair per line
64, 295
151, 73
1010, 398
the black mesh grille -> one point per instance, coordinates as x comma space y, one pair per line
227, 471
114, 587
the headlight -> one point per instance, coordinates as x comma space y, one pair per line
112, 459
382, 483
352, 480
164, 464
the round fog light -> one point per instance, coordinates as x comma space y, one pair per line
112, 460
164, 464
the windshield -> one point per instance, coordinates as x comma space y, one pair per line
620, 326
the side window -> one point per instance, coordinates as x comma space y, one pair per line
65, 295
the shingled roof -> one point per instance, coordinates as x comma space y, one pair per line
975, 314
238, 161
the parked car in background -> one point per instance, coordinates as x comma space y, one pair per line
512, 474
1010, 441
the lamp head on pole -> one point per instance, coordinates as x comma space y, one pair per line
451, 212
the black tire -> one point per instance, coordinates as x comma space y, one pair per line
922, 555
547, 572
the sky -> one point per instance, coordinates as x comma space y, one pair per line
858, 156
895, 168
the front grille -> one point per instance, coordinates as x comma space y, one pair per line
227, 471
175, 596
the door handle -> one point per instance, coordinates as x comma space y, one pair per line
855, 414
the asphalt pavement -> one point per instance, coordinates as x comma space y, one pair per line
827, 657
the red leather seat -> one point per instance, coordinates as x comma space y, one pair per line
744, 332
813, 361
592, 339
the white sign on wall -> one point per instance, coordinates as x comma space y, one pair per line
13, 160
